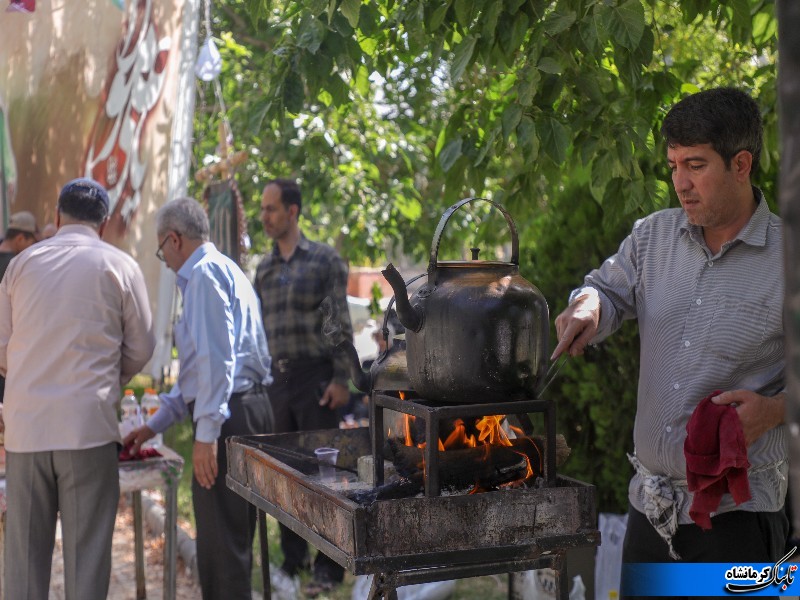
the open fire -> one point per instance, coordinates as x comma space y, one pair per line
483, 447
472, 453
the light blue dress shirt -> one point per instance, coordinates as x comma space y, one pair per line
221, 343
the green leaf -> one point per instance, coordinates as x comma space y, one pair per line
555, 139
593, 31
440, 140
464, 12
362, 84
409, 207
657, 192
557, 22
312, 32
602, 167
450, 154
437, 17
519, 31
293, 93
368, 45
350, 9
527, 86
340, 91
626, 23
325, 97
741, 13
765, 28
511, 117
486, 146
489, 19
527, 138
549, 65
689, 88
317, 7
462, 57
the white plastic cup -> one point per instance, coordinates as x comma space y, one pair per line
327, 458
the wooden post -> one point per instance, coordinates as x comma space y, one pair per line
225, 168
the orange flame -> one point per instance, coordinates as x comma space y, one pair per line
488, 432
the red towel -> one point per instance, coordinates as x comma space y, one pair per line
716, 458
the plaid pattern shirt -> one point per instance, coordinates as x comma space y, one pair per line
293, 297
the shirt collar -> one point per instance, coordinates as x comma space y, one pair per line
185, 272
302, 244
754, 233
77, 228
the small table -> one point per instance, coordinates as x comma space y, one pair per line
135, 476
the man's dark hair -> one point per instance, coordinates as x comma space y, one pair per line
84, 200
727, 118
290, 192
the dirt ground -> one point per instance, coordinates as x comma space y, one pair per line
123, 569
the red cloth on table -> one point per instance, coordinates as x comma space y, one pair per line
125, 455
716, 458
24, 6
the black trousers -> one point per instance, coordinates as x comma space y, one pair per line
295, 393
737, 537
226, 521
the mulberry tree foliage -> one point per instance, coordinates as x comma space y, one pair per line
389, 111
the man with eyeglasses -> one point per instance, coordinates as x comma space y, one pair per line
75, 326
225, 368
294, 282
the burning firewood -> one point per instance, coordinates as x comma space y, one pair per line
485, 467
481, 465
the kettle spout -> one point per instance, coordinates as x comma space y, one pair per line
410, 317
361, 379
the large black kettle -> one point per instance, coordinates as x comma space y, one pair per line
476, 331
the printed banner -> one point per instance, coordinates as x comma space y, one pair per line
102, 90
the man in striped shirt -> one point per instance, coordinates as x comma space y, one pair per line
705, 283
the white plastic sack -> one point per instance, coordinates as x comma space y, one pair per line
608, 564
541, 585
209, 62
283, 587
435, 590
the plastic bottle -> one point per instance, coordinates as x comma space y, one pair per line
130, 415
150, 404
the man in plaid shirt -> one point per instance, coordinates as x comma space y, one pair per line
302, 286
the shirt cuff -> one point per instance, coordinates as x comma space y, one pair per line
161, 420
207, 431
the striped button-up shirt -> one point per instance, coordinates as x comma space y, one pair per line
301, 324
706, 322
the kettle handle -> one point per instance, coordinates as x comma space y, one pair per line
437, 237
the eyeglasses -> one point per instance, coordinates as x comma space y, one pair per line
160, 251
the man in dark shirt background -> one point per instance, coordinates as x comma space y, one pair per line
309, 382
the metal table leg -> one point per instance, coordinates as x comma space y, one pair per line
138, 544
170, 539
381, 589
261, 518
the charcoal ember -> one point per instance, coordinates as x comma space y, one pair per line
403, 487
485, 466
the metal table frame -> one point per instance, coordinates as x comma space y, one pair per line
554, 519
